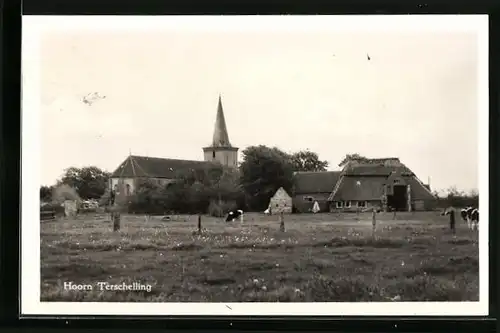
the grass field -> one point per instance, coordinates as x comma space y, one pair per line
319, 258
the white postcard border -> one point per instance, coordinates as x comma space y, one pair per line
35, 26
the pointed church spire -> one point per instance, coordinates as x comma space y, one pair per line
220, 138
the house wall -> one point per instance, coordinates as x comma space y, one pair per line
417, 205
370, 204
302, 205
281, 202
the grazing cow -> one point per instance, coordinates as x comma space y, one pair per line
234, 214
474, 218
468, 216
463, 214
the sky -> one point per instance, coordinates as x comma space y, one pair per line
416, 98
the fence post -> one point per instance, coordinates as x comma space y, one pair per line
199, 223
116, 220
282, 222
374, 222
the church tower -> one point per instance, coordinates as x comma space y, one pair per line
221, 150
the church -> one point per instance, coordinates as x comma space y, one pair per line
163, 170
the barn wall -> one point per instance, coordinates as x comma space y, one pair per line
281, 202
424, 205
419, 205
302, 205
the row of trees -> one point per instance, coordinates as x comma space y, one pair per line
452, 197
213, 188
216, 189
88, 182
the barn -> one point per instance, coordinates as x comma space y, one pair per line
384, 183
309, 187
280, 202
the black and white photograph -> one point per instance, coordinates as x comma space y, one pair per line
255, 165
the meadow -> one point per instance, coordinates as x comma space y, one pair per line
319, 258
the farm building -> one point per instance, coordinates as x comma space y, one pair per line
383, 183
309, 187
165, 170
280, 202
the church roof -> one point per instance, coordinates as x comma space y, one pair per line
220, 137
154, 167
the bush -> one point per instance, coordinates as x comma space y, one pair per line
216, 210
53, 206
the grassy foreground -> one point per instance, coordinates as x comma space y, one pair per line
319, 258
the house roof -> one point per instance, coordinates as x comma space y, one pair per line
281, 191
359, 188
154, 167
372, 188
419, 191
315, 182
376, 169
365, 180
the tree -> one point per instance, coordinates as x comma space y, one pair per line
46, 193
63, 192
192, 192
148, 198
306, 160
350, 157
89, 182
212, 183
456, 198
262, 172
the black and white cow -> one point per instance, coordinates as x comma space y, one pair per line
474, 218
234, 214
463, 214
470, 215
